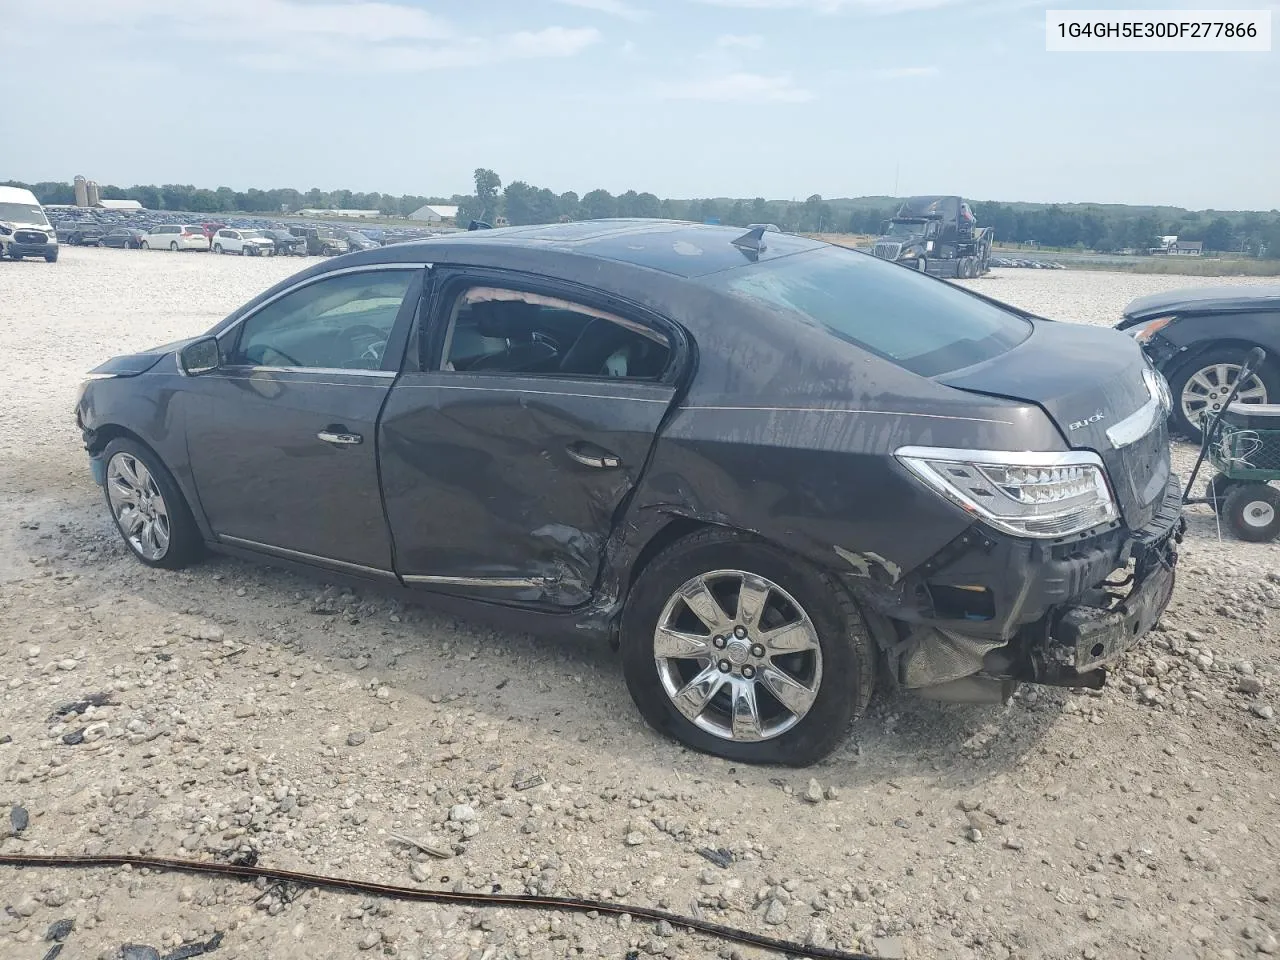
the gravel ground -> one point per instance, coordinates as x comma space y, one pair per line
251, 708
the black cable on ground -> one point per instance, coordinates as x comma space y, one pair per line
513, 901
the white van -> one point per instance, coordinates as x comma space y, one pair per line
24, 229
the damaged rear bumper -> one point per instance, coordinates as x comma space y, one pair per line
1069, 610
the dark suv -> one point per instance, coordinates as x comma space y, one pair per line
80, 234
321, 241
286, 243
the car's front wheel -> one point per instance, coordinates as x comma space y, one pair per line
148, 508
740, 650
1200, 386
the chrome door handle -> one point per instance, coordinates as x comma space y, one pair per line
591, 456
341, 439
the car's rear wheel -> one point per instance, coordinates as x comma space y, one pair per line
1200, 386
147, 506
1252, 510
217, 248
174, 246
738, 649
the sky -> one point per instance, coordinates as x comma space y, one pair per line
682, 98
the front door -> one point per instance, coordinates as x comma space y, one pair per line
282, 437
507, 455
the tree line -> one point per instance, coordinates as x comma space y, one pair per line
1090, 227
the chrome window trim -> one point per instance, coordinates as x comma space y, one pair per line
330, 371
540, 393
305, 557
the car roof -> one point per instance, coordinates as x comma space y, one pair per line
1208, 299
17, 195
672, 246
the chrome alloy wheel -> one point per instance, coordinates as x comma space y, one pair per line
138, 506
1206, 390
738, 656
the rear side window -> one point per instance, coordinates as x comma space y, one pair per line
923, 325
500, 330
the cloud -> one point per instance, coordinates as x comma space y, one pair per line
615, 8
901, 73
835, 6
739, 87
737, 41
357, 36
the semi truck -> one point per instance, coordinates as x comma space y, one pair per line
936, 235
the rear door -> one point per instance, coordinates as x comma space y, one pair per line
282, 438
507, 454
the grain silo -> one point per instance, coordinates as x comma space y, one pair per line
91, 188
82, 192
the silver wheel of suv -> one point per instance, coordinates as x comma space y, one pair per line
138, 506
1205, 391
746, 675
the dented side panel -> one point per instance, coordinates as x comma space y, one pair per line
483, 492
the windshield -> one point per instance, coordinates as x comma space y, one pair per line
23, 213
924, 325
906, 229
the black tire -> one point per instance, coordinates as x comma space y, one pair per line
1217, 489
1268, 374
51, 257
174, 246
847, 651
1252, 510
185, 544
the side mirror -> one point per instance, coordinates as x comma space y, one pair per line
202, 356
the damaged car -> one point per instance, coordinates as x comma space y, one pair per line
772, 471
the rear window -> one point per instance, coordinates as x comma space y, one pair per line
924, 325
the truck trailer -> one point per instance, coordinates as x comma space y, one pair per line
936, 235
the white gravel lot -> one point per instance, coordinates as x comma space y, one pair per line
257, 708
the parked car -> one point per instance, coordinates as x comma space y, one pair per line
210, 227
765, 498
247, 243
127, 238
79, 234
321, 241
1198, 339
176, 236
25, 231
286, 243
358, 241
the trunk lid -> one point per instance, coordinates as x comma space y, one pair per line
1087, 380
